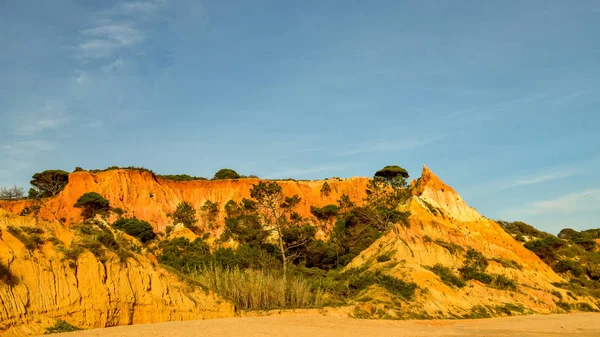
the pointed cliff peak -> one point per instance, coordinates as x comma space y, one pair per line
433, 190
430, 181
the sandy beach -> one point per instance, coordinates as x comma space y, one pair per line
581, 325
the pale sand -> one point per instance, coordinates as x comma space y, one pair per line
581, 325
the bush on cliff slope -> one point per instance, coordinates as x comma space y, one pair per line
6, 276
185, 214
573, 255
139, 229
91, 203
60, 327
266, 229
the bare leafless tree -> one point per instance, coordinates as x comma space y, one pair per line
15, 192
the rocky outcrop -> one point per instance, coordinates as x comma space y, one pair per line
442, 227
431, 189
91, 293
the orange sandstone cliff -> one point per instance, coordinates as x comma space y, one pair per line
145, 196
442, 227
104, 293
91, 293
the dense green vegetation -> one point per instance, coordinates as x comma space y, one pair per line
275, 244
131, 168
522, 231
474, 268
573, 254
137, 228
180, 177
98, 239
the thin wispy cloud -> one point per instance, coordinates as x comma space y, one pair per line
117, 29
301, 172
51, 116
137, 7
541, 178
584, 201
18, 156
118, 63
394, 145
105, 40
21, 148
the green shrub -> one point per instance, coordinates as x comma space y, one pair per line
325, 189
447, 276
185, 256
508, 309
450, 247
326, 212
582, 306
433, 210
396, 286
504, 283
107, 239
124, 254
139, 229
383, 258
478, 311
185, 214
6, 276
91, 203
181, 177
474, 267
32, 230
25, 211
557, 294
226, 174
31, 242
61, 326
519, 228
546, 248
508, 263
118, 211
72, 253
35, 241
564, 305
210, 211
566, 265
94, 247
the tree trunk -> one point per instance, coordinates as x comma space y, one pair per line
283, 259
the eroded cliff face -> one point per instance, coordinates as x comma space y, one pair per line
94, 293
442, 227
90, 293
147, 197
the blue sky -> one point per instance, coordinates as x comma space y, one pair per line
499, 98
